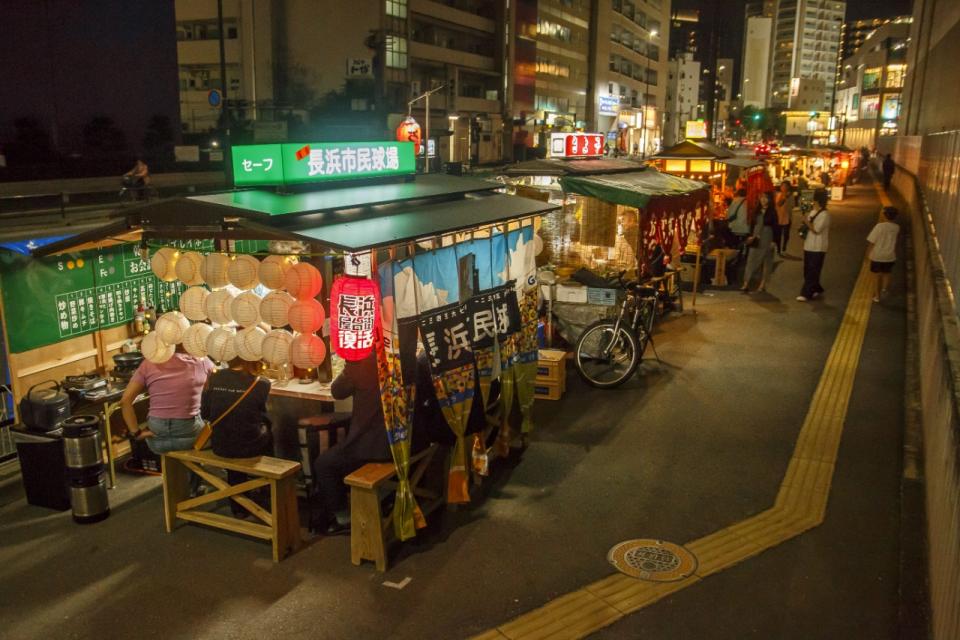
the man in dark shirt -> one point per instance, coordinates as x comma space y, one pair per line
888, 169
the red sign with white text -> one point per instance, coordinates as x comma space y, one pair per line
576, 145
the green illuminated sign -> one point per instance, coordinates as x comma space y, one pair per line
270, 164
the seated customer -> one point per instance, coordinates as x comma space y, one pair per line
237, 398
366, 441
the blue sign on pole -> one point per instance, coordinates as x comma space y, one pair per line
215, 98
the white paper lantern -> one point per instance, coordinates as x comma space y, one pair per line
191, 303
164, 263
188, 268
221, 345
307, 351
275, 308
303, 281
213, 270
171, 327
245, 309
249, 343
218, 306
276, 347
242, 272
306, 316
537, 245
195, 339
154, 349
273, 269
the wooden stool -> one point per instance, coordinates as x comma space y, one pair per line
280, 525
370, 531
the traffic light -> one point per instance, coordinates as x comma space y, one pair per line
756, 117
738, 122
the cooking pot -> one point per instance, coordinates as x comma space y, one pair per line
44, 409
130, 360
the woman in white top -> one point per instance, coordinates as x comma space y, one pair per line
815, 244
883, 250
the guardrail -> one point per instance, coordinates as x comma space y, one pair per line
938, 351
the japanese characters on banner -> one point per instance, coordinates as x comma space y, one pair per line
446, 334
355, 317
493, 314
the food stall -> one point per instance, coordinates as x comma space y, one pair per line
336, 248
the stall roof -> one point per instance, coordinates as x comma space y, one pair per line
690, 150
635, 189
558, 167
742, 161
340, 218
412, 223
268, 203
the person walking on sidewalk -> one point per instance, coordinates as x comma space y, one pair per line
785, 204
760, 243
888, 168
816, 233
883, 250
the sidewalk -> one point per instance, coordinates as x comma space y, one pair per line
690, 447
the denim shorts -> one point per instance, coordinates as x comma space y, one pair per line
173, 434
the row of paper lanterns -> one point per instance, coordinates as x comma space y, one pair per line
230, 300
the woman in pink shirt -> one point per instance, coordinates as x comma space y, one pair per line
174, 387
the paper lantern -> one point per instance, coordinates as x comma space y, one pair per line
218, 306
306, 316
537, 245
192, 303
245, 309
275, 307
195, 339
188, 268
242, 272
171, 327
409, 131
213, 270
354, 317
276, 347
164, 263
154, 349
273, 269
221, 345
303, 281
307, 351
249, 343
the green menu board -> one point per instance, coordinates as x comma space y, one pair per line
48, 300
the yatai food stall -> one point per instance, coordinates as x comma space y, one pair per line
337, 248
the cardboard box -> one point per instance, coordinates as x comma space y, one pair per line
552, 367
547, 390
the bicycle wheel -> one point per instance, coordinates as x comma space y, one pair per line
677, 294
605, 360
648, 314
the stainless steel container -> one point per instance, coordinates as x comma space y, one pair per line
81, 443
88, 499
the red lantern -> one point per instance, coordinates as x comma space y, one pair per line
409, 131
354, 317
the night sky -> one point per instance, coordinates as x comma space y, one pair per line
66, 61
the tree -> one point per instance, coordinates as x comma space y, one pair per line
102, 139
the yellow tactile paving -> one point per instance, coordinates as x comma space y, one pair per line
800, 505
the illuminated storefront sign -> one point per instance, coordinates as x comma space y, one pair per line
696, 129
576, 145
609, 105
299, 163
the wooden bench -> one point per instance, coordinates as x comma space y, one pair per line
370, 530
280, 525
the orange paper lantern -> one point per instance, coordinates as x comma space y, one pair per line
409, 131
306, 316
303, 281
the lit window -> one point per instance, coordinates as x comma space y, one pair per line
397, 8
396, 50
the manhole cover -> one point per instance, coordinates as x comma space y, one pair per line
653, 560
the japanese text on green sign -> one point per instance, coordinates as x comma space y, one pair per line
299, 163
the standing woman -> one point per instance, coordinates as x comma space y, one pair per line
760, 243
815, 242
173, 420
785, 203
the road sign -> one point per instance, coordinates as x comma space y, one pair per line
215, 98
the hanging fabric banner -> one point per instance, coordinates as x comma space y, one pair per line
523, 269
398, 397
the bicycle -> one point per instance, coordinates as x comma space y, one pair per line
131, 191
609, 351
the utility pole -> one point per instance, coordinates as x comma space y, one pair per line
426, 124
224, 109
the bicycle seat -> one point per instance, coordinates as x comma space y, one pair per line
641, 289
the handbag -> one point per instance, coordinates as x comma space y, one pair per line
804, 229
207, 430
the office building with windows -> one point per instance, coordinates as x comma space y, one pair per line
630, 72
868, 101
806, 39
683, 91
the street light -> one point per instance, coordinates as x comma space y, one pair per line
646, 89
426, 124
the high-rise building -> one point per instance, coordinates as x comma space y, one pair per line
805, 45
630, 69
760, 8
562, 69
683, 87
724, 96
852, 35
755, 69
684, 24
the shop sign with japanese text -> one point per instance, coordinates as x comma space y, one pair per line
576, 145
299, 163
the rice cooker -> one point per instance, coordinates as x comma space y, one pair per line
44, 409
